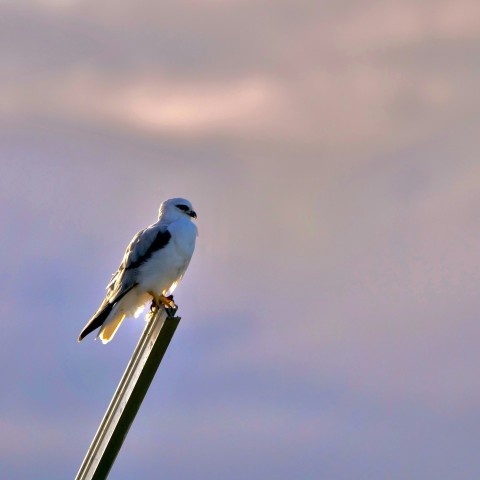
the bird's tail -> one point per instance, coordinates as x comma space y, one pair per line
109, 315
110, 327
97, 320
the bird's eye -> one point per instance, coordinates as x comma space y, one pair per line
184, 208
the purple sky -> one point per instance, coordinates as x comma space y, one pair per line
330, 313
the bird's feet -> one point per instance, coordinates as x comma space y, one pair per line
167, 302
169, 305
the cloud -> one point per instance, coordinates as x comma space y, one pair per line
155, 105
367, 79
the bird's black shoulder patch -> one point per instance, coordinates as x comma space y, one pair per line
160, 241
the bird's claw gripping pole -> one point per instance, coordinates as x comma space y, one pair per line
168, 304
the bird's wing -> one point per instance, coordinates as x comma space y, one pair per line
140, 249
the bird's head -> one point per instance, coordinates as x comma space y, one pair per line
175, 208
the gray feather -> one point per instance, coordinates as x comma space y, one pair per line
143, 245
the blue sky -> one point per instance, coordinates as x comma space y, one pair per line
329, 316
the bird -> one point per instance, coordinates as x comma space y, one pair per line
154, 263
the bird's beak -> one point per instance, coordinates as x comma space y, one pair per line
192, 214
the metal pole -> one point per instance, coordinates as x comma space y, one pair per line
128, 397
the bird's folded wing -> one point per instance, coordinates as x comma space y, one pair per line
143, 245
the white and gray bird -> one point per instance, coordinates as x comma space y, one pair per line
153, 264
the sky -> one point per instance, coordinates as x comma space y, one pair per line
330, 312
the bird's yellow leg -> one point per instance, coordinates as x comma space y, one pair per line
156, 302
161, 300
167, 301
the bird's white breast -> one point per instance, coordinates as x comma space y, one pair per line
167, 266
